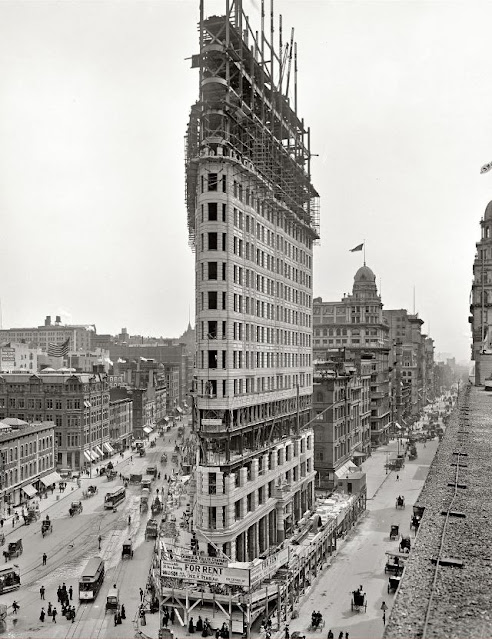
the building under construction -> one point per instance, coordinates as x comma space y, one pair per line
253, 216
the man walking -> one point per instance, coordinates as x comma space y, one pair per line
45, 557
41, 592
70, 592
141, 594
53, 614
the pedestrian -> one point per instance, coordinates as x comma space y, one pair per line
64, 588
45, 558
58, 594
123, 612
115, 619
141, 594
330, 634
70, 592
54, 613
41, 592
13, 522
171, 616
384, 618
1, 522
42, 615
99, 539
287, 633
15, 606
398, 478
346, 635
191, 626
50, 609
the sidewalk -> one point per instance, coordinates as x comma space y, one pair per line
374, 466
71, 491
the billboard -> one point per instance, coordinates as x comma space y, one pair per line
194, 571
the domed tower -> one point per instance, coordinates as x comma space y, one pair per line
365, 288
481, 301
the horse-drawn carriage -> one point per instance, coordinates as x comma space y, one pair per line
317, 622
31, 516
163, 458
156, 506
14, 549
394, 532
75, 508
405, 544
393, 583
359, 601
400, 502
127, 550
111, 474
90, 492
46, 526
395, 563
151, 530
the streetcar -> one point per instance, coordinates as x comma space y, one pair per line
9, 578
91, 579
114, 497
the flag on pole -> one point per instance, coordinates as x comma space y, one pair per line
359, 247
56, 350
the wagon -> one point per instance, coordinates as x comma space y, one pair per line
14, 549
151, 529
394, 532
75, 508
113, 600
163, 458
156, 506
395, 563
127, 550
46, 527
400, 502
405, 544
111, 474
393, 583
359, 601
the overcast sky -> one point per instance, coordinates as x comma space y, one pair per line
94, 102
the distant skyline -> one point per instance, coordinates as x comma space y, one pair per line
94, 103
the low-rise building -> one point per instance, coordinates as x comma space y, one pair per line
52, 333
15, 356
78, 405
27, 458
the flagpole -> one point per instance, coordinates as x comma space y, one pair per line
364, 247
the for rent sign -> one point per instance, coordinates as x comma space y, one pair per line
193, 571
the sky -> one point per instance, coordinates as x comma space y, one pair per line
94, 102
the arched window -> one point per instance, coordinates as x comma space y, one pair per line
319, 396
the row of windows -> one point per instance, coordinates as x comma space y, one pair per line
217, 300
242, 386
11, 477
29, 448
368, 340
218, 241
274, 240
211, 182
251, 359
330, 310
255, 333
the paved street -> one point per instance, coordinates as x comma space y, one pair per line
74, 541
361, 558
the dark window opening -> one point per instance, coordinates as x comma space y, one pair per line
212, 181
212, 241
212, 300
212, 211
212, 359
212, 330
212, 270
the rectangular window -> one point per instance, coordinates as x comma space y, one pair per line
212, 359
224, 301
212, 300
224, 267
224, 241
212, 270
212, 241
212, 211
212, 330
212, 181
224, 209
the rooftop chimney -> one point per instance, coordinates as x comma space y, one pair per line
47, 321
58, 320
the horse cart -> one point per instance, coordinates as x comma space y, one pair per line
156, 507
393, 583
46, 527
405, 544
151, 530
14, 549
395, 563
400, 502
359, 601
127, 550
317, 622
75, 508
394, 532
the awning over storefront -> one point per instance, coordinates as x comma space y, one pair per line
344, 470
108, 448
179, 409
87, 456
29, 490
147, 429
50, 478
358, 453
94, 454
99, 451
